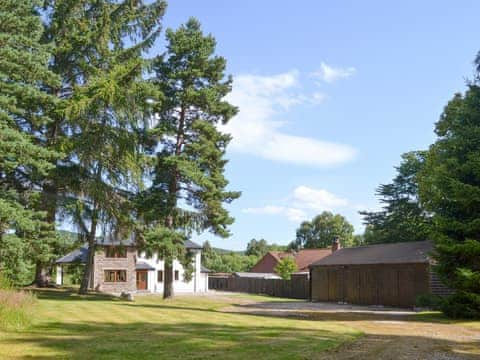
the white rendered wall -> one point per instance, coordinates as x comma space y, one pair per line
198, 283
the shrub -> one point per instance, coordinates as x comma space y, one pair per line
462, 305
429, 301
286, 267
16, 307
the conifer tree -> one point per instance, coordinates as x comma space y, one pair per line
402, 217
24, 109
99, 54
189, 186
450, 189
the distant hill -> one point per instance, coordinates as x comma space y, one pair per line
225, 251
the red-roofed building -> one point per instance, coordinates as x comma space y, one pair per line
303, 259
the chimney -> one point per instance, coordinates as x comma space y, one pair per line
336, 244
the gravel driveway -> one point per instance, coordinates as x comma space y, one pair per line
389, 333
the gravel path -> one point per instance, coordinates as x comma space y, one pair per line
390, 334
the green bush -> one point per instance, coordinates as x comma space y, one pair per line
462, 305
429, 301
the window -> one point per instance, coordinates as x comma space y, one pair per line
115, 252
176, 274
115, 275
160, 276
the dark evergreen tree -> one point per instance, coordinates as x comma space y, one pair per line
23, 110
402, 218
189, 186
99, 54
450, 189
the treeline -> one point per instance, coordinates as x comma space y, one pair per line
218, 260
101, 129
436, 195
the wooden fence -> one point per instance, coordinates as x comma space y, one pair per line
297, 288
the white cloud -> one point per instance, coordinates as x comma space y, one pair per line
292, 214
257, 129
304, 203
331, 74
317, 199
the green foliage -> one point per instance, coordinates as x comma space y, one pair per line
19, 257
221, 261
320, 232
430, 301
100, 126
286, 267
188, 190
450, 190
402, 217
72, 274
260, 247
462, 305
24, 105
5, 282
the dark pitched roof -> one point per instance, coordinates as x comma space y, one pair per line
80, 255
76, 256
131, 242
394, 253
143, 266
191, 245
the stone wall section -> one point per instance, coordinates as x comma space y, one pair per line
102, 263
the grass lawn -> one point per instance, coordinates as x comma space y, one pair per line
66, 325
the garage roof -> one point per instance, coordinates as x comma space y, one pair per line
394, 253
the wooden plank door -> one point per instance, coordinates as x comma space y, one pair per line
142, 277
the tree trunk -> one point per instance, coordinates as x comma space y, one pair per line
87, 281
173, 189
42, 275
49, 205
88, 271
168, 280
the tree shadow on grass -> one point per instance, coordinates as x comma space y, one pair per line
184, 340
71, 294
308, 315
202, 340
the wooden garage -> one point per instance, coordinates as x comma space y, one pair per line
384, 274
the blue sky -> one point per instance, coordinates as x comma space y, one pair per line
330, 95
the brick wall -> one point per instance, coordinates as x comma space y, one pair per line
102, 263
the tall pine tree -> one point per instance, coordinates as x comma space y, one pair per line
24, 109
189, 186
402, 217
99, 54
450, 189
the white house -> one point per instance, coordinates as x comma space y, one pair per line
120, 267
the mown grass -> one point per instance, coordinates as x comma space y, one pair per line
439, 317
66, 325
